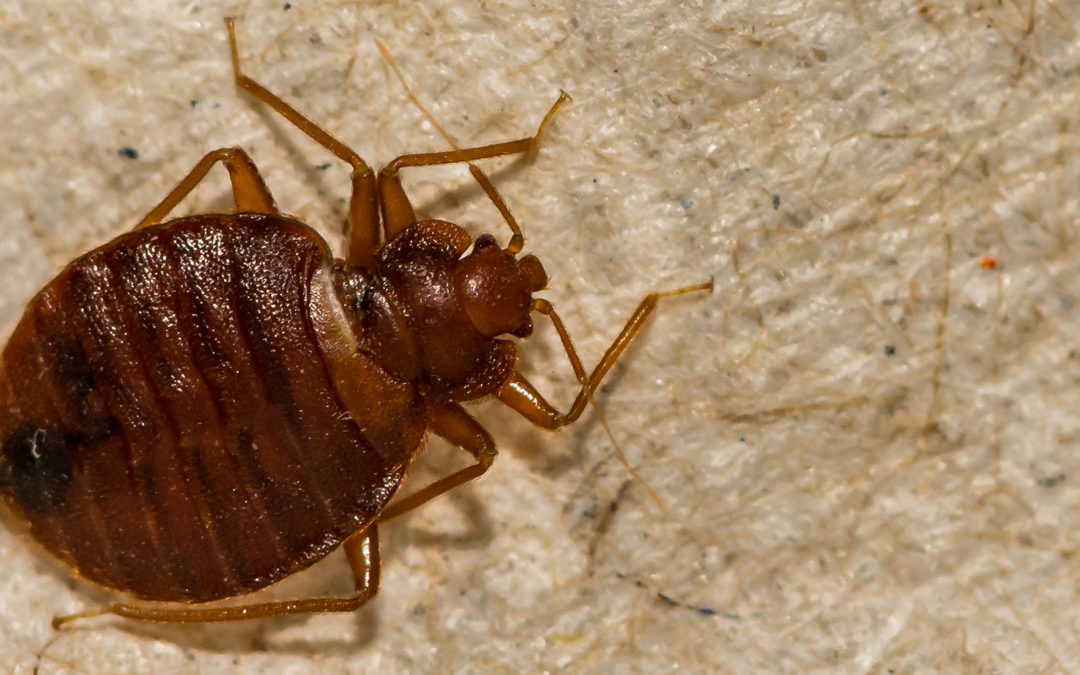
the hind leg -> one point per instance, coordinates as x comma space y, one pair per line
361, 549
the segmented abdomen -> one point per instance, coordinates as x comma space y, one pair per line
169, 427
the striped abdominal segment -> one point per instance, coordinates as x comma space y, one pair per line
187, 441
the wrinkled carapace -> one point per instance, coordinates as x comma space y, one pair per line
204, 406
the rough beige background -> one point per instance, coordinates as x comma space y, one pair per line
865, 439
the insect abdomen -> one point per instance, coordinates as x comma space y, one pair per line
169, 425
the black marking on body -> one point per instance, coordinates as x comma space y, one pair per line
74, 376
273, 373
94, 432
37, 467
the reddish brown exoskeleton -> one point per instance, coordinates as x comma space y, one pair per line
204, 406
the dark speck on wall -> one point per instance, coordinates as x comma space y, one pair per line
1051, 481
775, 202
128, 153
889, 350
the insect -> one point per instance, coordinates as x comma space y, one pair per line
204, 406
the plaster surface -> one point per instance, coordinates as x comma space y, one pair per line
864, 439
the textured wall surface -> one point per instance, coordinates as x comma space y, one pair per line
862, 439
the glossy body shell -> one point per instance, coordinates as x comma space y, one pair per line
201, 408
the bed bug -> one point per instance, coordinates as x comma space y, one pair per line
206, 405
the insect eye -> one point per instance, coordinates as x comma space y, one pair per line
536, 278
524, 330
483, 241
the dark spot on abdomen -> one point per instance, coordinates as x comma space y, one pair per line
70, 367
37, 467
93, 433
76, 379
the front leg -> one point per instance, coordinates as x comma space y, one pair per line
397, 211
521, 396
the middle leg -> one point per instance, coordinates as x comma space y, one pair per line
450, 421
363, 205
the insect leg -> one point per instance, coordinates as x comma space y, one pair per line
249, 190
520, 395
363, 205
398, 212
361, 549
450, 421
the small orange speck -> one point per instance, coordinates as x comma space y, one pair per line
988, 263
